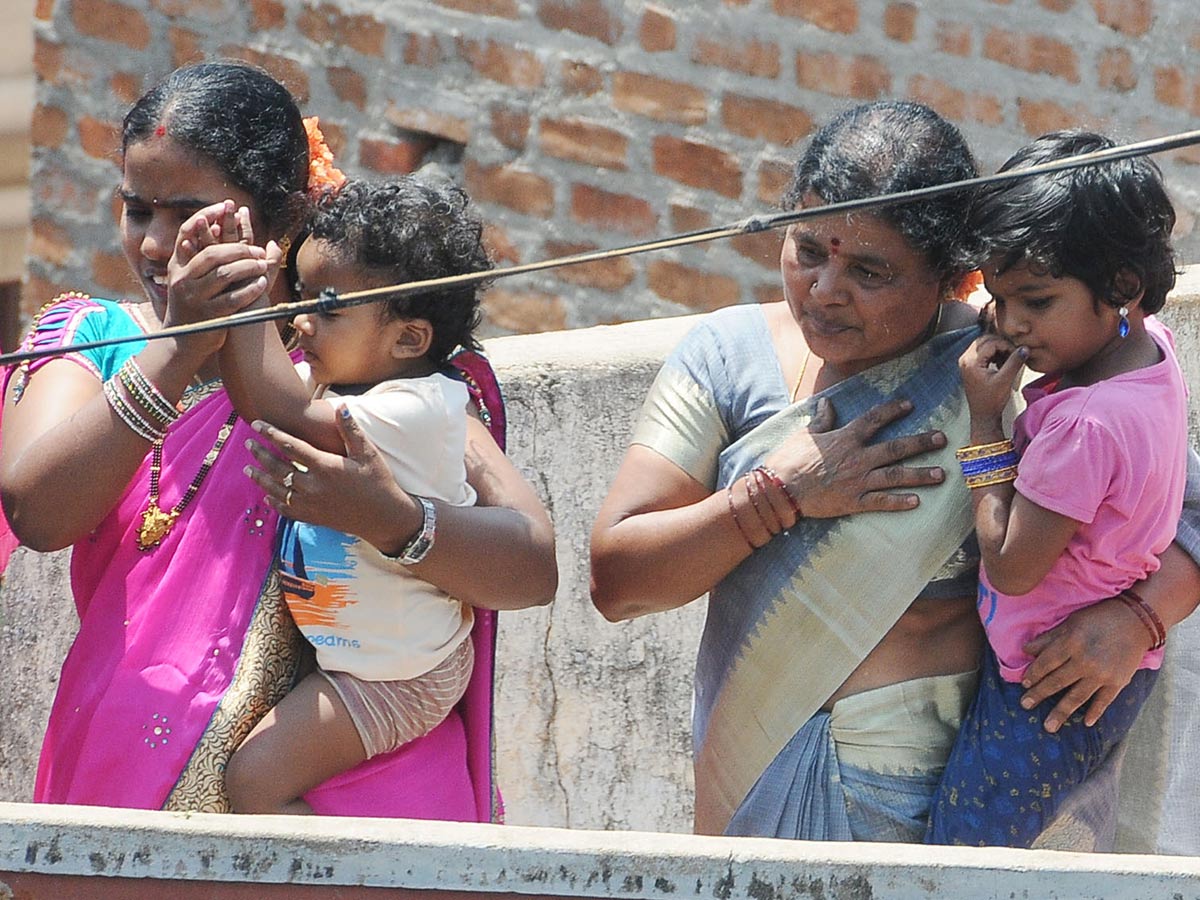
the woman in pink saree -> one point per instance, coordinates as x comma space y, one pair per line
132, 454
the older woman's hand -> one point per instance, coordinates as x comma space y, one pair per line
837, 471
1090, 657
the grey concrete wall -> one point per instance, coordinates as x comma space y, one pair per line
593, 718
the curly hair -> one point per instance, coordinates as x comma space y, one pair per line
412, 229
242, 120
1098, 223
885, 147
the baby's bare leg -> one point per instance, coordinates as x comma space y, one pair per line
305, 740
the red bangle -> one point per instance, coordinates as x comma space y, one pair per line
756, 488
1145, 612
774, 478
736, 520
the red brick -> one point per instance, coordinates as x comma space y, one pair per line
698, 165
1194, 41
1039, 116
1131, 17
1057, 5
954, 38
955, 104
208, 10
1037, 53
499, 246
510, 127
584, 142
47, 59
587, 17
393, 157
767, 120
749, 57
287, 71
44, 10
111, 272
349, 85
861, 77
429, 122
48, 127
606, 275
688, 218
525, 312
761, 247
504, 9
328, 25
900, 22
514, 188
1171, 87
335, 137
691, 287
423, 50
126, 87
657, 31
49, 242
186, 46
37, 291
267, 15
774, 177
831, 15
580, 78
503, 63
1115, 70
100, 139
769, 292
111, 22
658, 98
612, 212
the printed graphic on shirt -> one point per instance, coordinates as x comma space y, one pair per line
316, 570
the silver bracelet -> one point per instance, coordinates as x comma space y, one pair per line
418, 548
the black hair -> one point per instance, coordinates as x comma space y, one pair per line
242, 120
412, 229
885, 147
1109, 225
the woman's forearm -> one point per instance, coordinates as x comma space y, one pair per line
67, 456
1174, 590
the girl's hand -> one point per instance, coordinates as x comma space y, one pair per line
990, 368
216, 270
837, 471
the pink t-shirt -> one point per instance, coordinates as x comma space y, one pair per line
1112, 455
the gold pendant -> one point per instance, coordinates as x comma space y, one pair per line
155, 525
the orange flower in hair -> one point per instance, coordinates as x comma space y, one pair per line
323, 175
971, 282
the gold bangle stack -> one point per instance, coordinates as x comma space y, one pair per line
987, 464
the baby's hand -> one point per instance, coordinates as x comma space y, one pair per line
990, 368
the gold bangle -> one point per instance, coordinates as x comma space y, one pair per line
999, 476
978, 451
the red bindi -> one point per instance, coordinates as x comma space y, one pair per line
160, 130
834, 244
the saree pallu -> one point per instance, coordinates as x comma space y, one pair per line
790, 624
183, 648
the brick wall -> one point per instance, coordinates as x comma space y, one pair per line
580, 124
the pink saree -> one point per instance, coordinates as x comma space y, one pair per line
182, 648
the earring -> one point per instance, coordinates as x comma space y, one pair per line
1123, 325
285, 247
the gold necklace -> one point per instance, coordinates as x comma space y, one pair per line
800, 377
157, 523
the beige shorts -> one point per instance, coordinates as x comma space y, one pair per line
390, 713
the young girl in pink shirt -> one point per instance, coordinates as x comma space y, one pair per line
1079, 503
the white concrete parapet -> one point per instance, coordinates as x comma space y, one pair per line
54, 842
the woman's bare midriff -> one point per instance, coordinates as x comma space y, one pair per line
933, 637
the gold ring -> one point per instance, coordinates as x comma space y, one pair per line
287, 500
287, 479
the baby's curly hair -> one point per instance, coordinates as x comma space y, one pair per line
412, 229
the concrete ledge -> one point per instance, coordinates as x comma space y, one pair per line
63, 842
